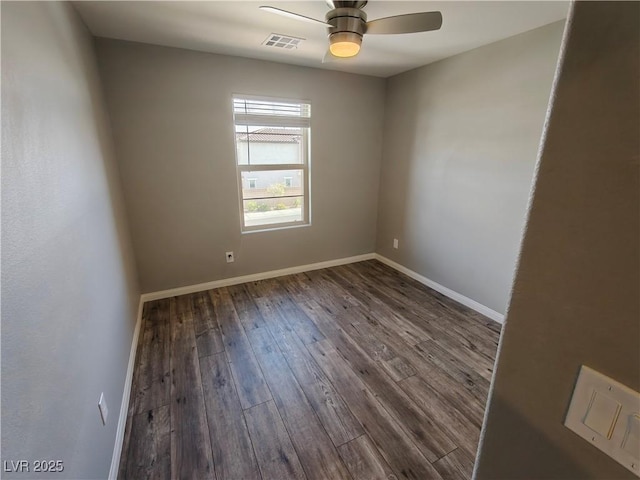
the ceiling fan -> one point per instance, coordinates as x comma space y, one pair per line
347, 24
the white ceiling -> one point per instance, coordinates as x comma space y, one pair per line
240, 27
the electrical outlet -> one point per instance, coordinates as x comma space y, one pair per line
230, 258
395, 243
102, 406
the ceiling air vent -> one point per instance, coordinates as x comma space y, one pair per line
282, 41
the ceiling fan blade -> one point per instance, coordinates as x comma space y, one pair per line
295, 16
409, 23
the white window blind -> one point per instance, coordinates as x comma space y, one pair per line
274, 114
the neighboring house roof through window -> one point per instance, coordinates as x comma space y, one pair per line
271, 135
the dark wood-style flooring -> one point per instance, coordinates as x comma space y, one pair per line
352, 372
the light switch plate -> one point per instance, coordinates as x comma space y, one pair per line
602, 414
606, 413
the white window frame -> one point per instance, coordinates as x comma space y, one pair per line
275, 121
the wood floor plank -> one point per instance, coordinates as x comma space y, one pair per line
389, 359
310, 285
208, 334
463, 399
233, 454
353, 322
400, 368
334, 414
436, 405
275, 453
151, 386
448, 361
368, 341
248, 378
245, 308
422, 319
391, 338
417, 292
139, 385
427, 435
473, 406
441, 321
388, 306
464, 394
276, 295
480, 364
343, 321
321, 316
446, 378
446, 323
421, 358
190, 445
391, 440
150, 454
453, 364
458, 465
317, 453
437, 440
364, 461
372, 303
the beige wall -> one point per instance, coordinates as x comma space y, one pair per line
460, 144
576, 293
69, 289
172, 122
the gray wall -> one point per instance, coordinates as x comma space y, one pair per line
173, 128
576, 293
69, 289
460, 144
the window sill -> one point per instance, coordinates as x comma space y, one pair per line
271, 229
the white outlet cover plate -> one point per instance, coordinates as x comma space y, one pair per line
606, 413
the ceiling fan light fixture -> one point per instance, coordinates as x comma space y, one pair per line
344, 44
347, 23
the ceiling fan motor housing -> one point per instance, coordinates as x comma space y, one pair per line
347, 20
347, 4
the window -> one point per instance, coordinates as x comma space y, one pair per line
272, 161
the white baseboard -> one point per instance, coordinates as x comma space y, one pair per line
126, 394
458, 297
225, 282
